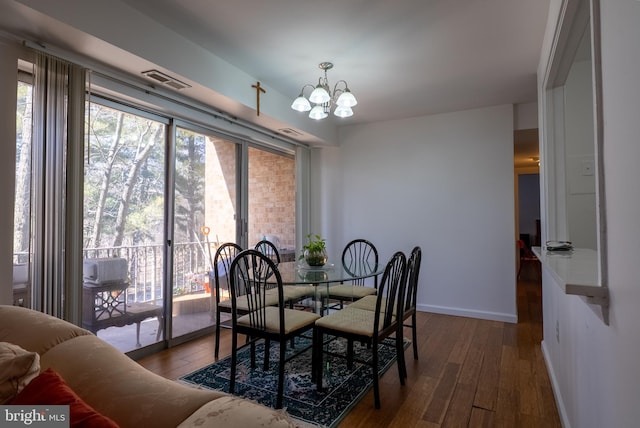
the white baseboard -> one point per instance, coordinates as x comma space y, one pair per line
470, 313
562, 411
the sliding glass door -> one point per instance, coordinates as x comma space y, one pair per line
21, 284
124, 224
205, 203
157, 195
209, 189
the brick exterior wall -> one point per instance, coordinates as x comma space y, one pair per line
271, 192
220, 194
272, 195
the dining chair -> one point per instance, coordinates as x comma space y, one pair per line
292, 294
365, 326
269, 249
253, 274
409, 304
410, 299
221, 268
359, 256
526, 256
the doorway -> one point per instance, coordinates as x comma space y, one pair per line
527, 212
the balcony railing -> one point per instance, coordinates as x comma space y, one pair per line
191, 264
145, 264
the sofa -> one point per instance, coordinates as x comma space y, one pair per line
119, 388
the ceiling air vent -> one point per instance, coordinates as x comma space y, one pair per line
289, 131
165, 79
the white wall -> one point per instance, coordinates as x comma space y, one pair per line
444, 182
594, 367
525, 116
579, 150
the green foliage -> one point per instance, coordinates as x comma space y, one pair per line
125, 180
315, 244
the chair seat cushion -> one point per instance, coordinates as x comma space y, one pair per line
271, 299
225, 304
351, 320
293, 319
369, 303
347, 291
293, 292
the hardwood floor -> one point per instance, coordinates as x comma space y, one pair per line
471, 373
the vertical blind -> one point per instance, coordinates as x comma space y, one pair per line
59, 89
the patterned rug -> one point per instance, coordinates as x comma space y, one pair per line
343, 387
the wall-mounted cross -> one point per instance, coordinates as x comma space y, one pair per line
258, 90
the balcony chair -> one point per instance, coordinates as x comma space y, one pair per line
21, 285
365, 326
253, 274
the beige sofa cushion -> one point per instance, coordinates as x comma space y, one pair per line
117, 386
233, 412
35, 331
17, 368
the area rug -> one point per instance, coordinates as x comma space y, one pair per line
343, 387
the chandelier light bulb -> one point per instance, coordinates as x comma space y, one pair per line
343, 111
346, 99
318, 113
301, 104
319, 95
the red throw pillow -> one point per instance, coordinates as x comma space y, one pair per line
48, 388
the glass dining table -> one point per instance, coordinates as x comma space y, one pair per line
318, 280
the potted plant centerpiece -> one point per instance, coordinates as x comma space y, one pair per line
314, 252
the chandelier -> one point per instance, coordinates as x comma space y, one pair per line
323, 99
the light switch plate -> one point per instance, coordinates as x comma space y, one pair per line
588, 168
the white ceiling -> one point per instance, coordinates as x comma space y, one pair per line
401, 58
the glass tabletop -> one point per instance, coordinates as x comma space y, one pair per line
299, 273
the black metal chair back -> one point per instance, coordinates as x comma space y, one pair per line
413, 272
390, 294
253, 274
360, 256
411, 297
269, 249
221, 268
